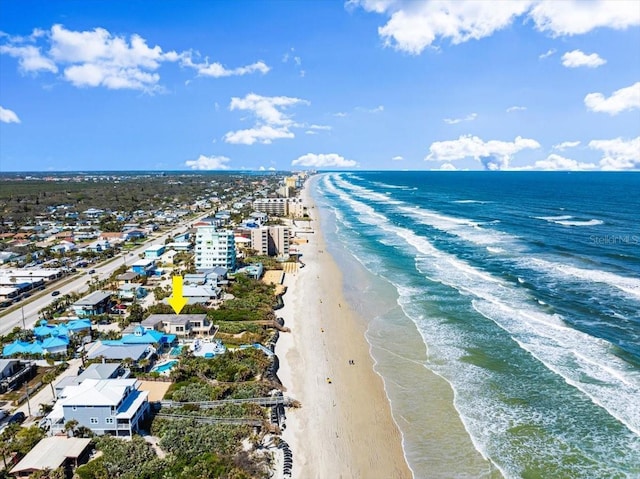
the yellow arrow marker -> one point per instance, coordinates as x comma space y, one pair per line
177, 301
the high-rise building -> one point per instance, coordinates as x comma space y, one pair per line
215, 248
271, 240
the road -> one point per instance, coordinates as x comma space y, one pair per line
30, 310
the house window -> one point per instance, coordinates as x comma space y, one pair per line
108, 420
93, 420
74, 408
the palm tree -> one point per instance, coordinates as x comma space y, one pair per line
48, 378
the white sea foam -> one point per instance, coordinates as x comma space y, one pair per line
554, 218
592, 222
628, 285
470, 201
544, 335
568, 220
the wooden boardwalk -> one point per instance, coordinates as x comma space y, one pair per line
263, 401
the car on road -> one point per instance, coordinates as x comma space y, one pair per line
91, 271
55, 293
17, 418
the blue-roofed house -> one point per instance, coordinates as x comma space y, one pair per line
141, 335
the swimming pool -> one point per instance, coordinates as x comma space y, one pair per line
175, 351
164, 367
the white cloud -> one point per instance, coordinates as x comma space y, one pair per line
447, 167
493, 154
217, 70
208, 163
323, 161
453, 121
377, 109
547, 54
271, 122
623, 99
340, 114
98, 58
262, 168
511, 109
320, 127
397, 158
8, 116
576, 58
573, 17
30, 60
618, 154
557, 162
566, 144
413, 26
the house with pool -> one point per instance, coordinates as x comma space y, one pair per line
180, 325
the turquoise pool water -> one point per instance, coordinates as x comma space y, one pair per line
175, 351
161, 368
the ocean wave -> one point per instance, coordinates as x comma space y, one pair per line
470, 201
568, 220
528, 326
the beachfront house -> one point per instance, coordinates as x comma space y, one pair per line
106, 406
183, 325
93, 371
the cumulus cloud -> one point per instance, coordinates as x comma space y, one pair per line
566, 144
98, 58
217, 70
574, 17
618, 154
397, 158
557, 162
413, 26
447, 167
208, 163
30, 60
271, 121
493, 154
623, 99
453, 121
577, 58
8, 116
323, 161
511, 109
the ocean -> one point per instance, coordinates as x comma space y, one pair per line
503, 313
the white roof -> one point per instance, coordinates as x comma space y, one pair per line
96, 392
51, 452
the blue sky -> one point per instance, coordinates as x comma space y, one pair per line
367, 84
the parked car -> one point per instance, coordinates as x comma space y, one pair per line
3, 414
55, 293
17, 418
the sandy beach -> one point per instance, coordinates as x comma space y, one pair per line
344, 428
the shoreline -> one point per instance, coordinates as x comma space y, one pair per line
344, 428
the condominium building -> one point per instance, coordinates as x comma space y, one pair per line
271, 240
215, 248
272, 206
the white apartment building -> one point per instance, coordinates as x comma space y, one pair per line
215, 248
272, 206
271, 240
280, 206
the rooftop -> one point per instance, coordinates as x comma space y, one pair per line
51, 452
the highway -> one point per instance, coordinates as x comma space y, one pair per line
80, 284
